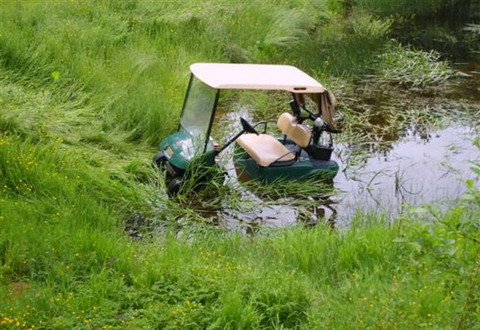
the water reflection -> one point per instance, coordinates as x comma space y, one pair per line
423, 165
414, 172
280, 214
417, 170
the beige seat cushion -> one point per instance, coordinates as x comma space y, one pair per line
299, 134
264, 148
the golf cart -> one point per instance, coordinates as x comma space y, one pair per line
303, 152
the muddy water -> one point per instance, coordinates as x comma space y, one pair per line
430, 168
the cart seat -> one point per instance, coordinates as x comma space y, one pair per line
264, 149
299, 134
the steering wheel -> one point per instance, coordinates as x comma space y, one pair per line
247, 127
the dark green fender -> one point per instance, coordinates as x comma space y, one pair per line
179, 151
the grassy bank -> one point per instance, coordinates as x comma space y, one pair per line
131, 58
87, 88
66, 264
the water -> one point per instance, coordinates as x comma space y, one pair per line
471, 89
417, 169
415, 172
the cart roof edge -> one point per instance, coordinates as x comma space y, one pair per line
256, 76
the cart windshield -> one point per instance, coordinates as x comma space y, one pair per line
198, 112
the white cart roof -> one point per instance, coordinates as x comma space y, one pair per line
256, 76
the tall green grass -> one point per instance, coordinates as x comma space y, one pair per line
419, 272
430, 24
133, 59
86, 89
67, 263
404, 8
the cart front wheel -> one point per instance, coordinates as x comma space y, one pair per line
174, 186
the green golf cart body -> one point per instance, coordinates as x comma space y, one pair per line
300, 159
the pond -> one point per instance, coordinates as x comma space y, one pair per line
428, 163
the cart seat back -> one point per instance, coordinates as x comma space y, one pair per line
264, 149
298, 133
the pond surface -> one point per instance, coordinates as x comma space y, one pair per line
416, 169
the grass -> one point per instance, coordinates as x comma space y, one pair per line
130, 62
413, 68
418, 272
431, 24
88, 88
